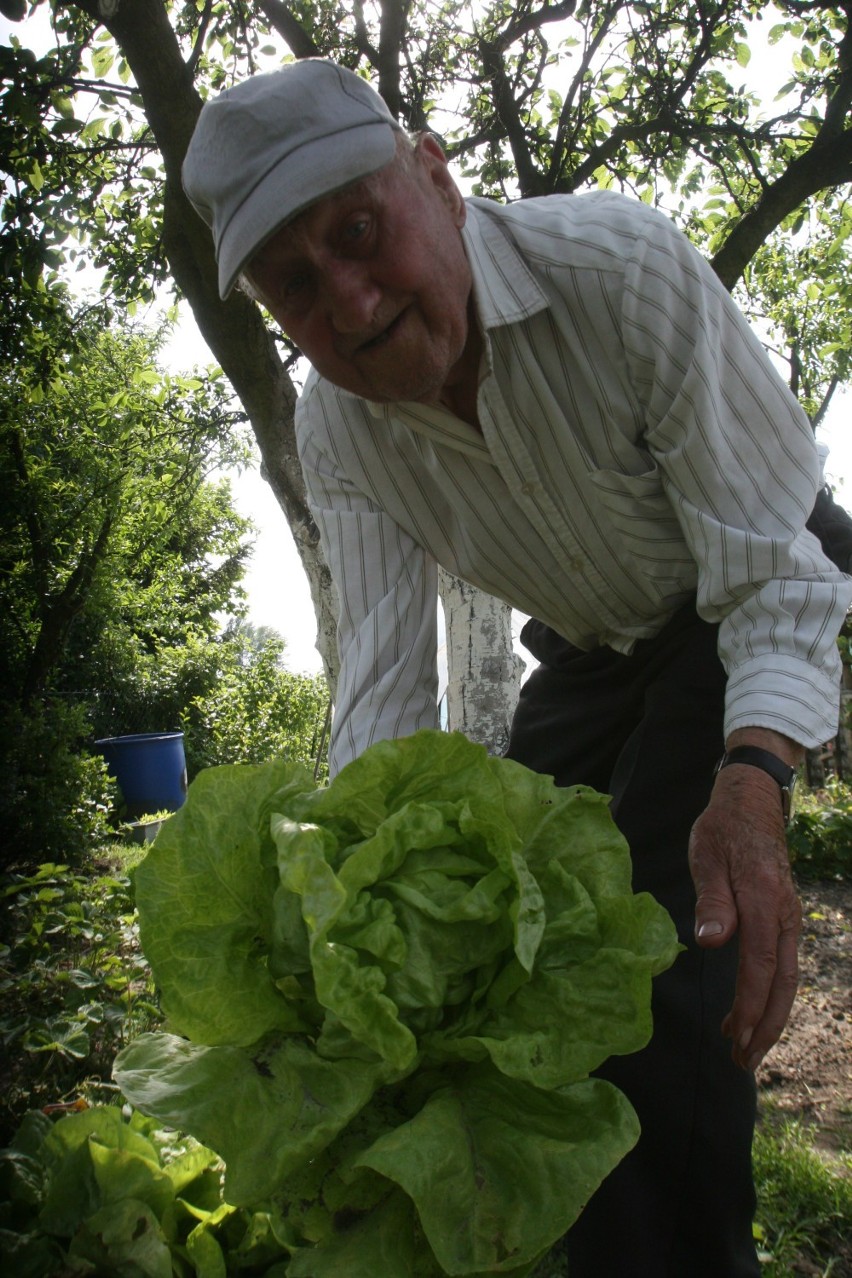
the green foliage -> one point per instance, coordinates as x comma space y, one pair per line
820, 834
55, 796
799, 288
385, 985
117, 555
804, 1211
106, 1192
108, 524
255, 710
73, 984
667, 102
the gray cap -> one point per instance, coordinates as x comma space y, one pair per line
274, 144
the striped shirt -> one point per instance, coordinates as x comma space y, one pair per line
637, 449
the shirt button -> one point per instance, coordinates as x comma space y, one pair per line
528, 489
575, 564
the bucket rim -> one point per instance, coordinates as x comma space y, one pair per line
138, 738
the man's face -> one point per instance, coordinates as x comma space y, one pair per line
373, 284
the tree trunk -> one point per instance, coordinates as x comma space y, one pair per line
485, 675
484, 672
234, 330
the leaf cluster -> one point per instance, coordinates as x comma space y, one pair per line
385, 997
255, 709
530, 98
74, 984
820, 833
101, 1191
108, 518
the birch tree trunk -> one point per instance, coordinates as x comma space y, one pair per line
484, 672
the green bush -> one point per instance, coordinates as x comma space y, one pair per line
256, 710
74, 985
106, 1192
55, 796
820, 834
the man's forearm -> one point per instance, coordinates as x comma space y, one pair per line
790, 751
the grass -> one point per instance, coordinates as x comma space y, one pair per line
804, 1214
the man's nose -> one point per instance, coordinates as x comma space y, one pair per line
351, 295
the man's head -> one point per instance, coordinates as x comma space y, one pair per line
348, 234
275, 144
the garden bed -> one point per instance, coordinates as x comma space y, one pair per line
808, 1075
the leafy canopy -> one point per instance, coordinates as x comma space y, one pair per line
658, 99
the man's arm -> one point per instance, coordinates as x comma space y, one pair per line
739, 862
386, 587
742, 471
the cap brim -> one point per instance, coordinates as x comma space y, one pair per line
299, 180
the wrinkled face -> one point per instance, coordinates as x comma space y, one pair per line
373, 285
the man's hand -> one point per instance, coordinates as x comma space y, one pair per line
741, 870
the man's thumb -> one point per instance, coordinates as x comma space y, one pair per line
715, 915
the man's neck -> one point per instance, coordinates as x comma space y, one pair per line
460, 392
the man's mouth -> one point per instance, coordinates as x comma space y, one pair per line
384, 336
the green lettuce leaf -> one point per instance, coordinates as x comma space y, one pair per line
498, 1170
204, 894
265, 1111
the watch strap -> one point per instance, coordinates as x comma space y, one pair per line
768, 762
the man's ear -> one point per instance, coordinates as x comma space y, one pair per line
430, 156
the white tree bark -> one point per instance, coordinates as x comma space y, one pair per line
484, 672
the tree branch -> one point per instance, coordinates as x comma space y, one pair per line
507, 107
837, 107
57, 614
817, 419
198, 43
290, 29
391, 41
820, 167
362, 35
521, 23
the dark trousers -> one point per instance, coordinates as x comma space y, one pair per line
647, 730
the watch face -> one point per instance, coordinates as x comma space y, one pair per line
788, 793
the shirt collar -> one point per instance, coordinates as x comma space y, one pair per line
504, 288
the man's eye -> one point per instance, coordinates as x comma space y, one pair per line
356, 229
294, 286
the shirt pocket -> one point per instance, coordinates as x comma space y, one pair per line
645, 530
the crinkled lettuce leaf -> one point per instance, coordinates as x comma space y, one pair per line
205, 902
495, 1168
280, 1099
386, 997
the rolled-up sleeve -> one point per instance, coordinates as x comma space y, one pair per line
387, 591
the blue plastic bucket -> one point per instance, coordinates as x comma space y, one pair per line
150, 768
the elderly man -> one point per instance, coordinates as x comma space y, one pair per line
558, 401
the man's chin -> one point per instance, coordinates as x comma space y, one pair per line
393, 389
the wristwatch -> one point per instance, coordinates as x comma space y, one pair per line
770, 763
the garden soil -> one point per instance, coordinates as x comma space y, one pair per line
808, 1074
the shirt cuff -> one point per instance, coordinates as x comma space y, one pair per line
786, 695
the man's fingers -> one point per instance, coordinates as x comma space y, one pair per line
766, 989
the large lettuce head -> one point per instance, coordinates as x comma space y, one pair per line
396, 987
